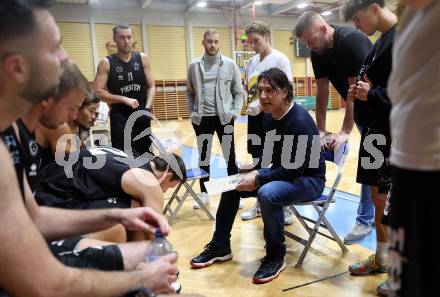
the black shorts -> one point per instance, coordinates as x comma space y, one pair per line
118, 120
100, 257
415, 232
381, 176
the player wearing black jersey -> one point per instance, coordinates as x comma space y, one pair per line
30, 55
77, 251
78, 123
105, 177
124, 81
50, 112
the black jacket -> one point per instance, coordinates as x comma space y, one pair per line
377, 66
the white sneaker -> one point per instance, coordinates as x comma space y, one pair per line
252, 212
176, 287
358, 233
241, 204
288, 216
205, 200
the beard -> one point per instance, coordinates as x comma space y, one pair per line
37, 94
48, 123
324, 46
125, 50
38, 89
212, 53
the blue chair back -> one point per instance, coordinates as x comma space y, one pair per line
337, 156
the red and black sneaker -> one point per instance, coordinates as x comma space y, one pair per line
269, 269
212, 253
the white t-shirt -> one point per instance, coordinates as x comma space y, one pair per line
275, 59
414, 90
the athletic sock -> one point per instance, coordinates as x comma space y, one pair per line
382, 253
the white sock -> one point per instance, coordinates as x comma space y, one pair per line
382, 251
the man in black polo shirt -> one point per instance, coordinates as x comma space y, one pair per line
338, 54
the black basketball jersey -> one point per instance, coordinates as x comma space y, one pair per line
46, 156
16, 151
127, 79
86, 183
31, 154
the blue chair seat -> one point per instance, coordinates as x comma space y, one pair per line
196, 173
320, 205
193, 174
319, 201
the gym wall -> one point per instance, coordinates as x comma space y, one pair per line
164, 38
78, 44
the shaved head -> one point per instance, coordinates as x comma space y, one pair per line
314, 31
308, 20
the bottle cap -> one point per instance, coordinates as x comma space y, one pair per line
158, 233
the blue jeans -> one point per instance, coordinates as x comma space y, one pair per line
365, 211
272, 197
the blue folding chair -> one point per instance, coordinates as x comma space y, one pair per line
321, 206
193, 174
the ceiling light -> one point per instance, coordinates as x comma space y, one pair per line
201, 4
302, 5
258, 2
325, 13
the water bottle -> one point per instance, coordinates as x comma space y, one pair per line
158, 247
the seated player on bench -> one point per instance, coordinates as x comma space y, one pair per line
105, 177
55, 224
79, 123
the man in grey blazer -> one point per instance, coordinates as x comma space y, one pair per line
215, 99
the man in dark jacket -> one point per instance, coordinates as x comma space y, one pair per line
370, 92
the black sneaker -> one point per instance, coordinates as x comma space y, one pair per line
212, 253
269, 269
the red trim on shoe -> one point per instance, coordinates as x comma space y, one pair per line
256, 280
210, 262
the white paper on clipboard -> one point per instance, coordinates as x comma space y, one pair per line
216, 186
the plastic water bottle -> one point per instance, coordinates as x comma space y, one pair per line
158, 247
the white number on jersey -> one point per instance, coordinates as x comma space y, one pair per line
105, 150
